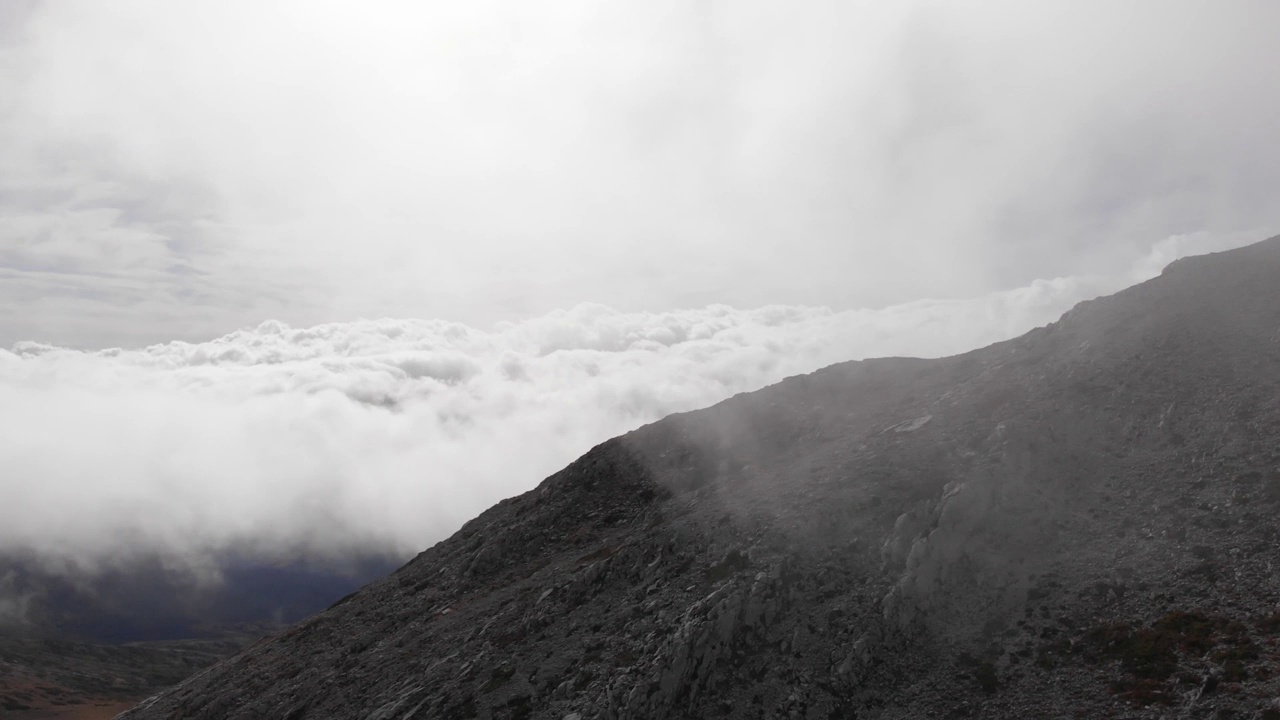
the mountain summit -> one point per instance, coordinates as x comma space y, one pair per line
1080, 522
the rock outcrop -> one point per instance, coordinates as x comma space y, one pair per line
1080, 522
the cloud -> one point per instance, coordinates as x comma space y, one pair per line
18, 602
176, 171
276, 441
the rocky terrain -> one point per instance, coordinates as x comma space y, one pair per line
1078, 523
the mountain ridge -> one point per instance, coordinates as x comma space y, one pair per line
1040, 527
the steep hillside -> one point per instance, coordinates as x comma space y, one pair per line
1081, 522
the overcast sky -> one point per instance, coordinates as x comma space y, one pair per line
178, 170
377, 265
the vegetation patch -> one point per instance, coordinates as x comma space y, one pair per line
1235, 659
1269, 625
1144, 652
1151, 655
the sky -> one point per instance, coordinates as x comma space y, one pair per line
385, 436
182, 170
305, 274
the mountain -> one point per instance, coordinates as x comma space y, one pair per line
1080, 522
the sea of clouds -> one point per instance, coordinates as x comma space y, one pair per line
389, 434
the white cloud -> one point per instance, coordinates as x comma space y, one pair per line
179, 169
391, 433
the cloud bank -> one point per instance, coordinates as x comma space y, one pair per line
178, 170
389, 434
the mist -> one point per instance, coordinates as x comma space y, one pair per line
384, 436
297, 278
177, 171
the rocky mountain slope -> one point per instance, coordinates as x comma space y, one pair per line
1078, 523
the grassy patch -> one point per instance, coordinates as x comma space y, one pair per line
1153, 654
1269, 625
1144, 652
1235, 659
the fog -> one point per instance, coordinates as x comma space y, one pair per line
578, 217
177, 170
387, 435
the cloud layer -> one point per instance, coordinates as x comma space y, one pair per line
389, 434
174, 170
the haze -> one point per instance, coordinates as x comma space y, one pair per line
507, 231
